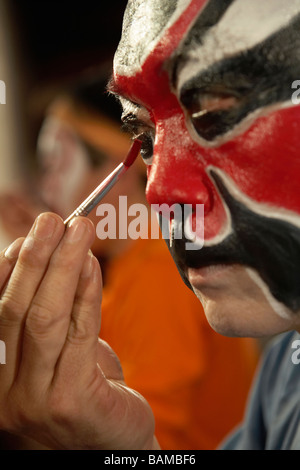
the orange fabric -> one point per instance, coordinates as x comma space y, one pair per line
195, 380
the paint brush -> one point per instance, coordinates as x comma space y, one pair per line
107, 184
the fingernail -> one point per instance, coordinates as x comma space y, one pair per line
87, 266
44, 226
13, 250
75, 230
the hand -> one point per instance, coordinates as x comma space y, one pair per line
61, 385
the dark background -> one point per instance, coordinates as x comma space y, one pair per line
57, 41
60, 37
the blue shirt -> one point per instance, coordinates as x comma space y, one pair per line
272, 421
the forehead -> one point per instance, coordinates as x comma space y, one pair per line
144, 26
204, 32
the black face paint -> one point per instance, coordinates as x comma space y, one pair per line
149, 19
268, 245
258, 77
209, 16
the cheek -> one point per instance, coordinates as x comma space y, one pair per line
264, 161
236, 306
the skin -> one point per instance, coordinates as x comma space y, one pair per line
67, 176
65, 339
53, 352
61, 386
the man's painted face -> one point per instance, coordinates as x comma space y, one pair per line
207, 84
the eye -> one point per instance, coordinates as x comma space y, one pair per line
209, 102
147, 147
139, 130
212, 112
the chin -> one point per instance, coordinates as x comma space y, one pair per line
237, 304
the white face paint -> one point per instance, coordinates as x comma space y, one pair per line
148, 25
259, 208
265, 210
235, 33
245, 170
278, 307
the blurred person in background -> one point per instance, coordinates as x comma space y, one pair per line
197, 393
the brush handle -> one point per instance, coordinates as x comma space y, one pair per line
98, 194
95, 197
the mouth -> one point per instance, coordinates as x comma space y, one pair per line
209, 275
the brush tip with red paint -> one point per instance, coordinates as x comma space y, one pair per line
133, 153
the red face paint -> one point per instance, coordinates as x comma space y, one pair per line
246, 171
263, 162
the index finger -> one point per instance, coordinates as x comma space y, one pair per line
49, 315
28, 272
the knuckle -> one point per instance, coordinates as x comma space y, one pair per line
33, 254
80, 331
90, 296
10, 309
41, 318
61, 410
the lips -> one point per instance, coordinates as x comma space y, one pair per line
209, 274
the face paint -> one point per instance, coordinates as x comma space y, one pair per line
209, 85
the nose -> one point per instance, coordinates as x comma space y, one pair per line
177, 174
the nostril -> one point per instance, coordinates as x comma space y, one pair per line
203, 195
